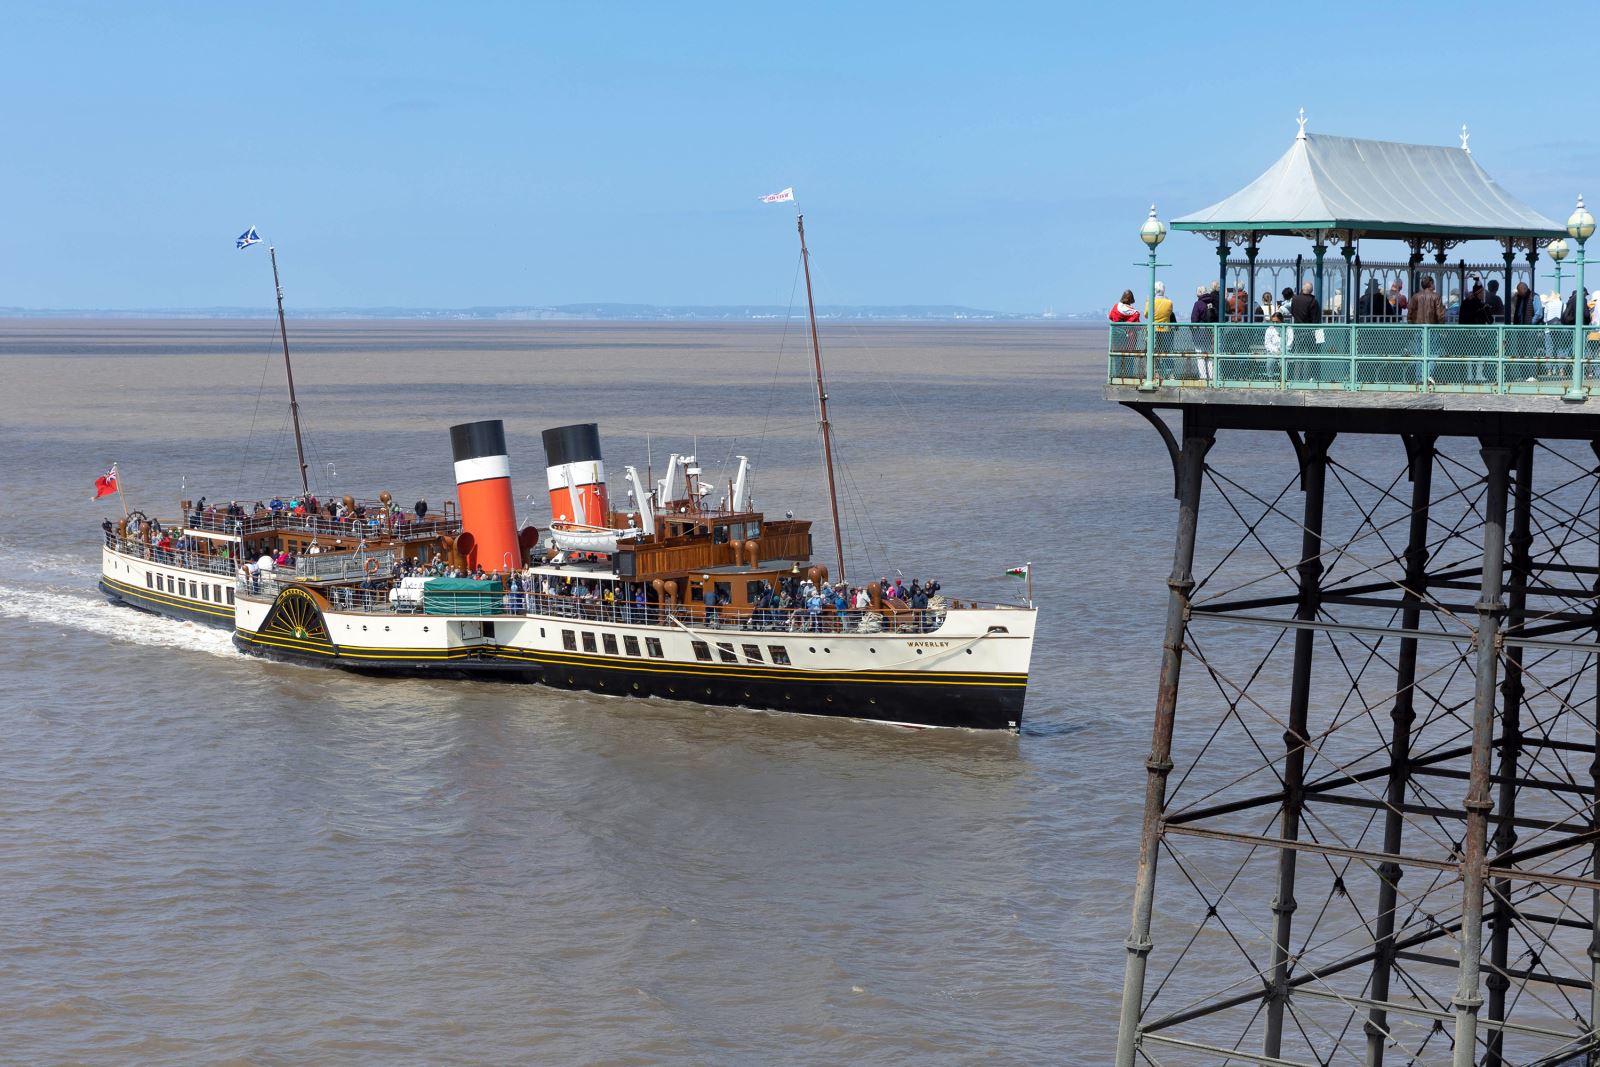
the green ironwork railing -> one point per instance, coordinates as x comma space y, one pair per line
1367, 357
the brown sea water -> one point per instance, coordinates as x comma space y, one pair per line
209, 858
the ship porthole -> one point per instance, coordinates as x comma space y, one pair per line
873, 651
708, 692
635, 687
747, 696
385, 629
363, 629
919, 651
813, 650
569, 680
827, 651
672, 689
830, 700
969, 651
424, 629
872, 700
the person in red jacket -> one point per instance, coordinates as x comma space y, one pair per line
1124, 311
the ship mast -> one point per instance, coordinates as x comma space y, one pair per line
822, 401
288, 368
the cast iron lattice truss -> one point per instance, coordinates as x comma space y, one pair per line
1379, 841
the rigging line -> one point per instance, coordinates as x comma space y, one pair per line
250, 435
821, 282
777, 367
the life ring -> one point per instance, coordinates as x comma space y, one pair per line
372, 567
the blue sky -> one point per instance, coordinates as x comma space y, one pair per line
410, 154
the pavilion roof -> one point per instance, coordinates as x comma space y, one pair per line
1375, 189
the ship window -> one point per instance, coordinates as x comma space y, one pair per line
737, 530
569, 640
610, 641
725, 650
702, 651
653, 646
172, 585
752, 531
230, 596
631, 643
780, 655
719, 535
148, 582
216, 593
998, 630
205, 591
488, 629
723, 592
752, 653
588, 642
754, 592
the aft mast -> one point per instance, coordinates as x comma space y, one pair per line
822, 401
288, 368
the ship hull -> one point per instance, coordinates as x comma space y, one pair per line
216, 615
956, 701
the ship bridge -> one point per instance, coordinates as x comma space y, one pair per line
1372, 796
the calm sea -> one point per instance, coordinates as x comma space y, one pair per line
212, 859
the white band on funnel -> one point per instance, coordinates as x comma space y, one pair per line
482, 468
583, 472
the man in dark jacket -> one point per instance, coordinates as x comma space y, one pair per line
1474, 307
1495, 306
1569, 314
1304, 307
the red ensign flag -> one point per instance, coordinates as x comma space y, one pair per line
106, 484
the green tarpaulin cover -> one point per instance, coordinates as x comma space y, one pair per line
461, 596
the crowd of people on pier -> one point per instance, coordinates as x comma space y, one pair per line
1481, 305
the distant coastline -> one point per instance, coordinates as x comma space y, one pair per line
598, 312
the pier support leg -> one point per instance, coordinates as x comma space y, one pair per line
1511, 694
1419, 453
1594, 862
1196, 442
1497, 461
1313, 478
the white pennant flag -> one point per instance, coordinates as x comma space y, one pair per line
778, 198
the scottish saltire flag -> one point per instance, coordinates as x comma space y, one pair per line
248, 238
778, 198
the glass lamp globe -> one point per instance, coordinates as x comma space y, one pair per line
1557, 250
1154, 231
1580, 224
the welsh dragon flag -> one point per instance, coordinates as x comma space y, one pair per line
1018, 572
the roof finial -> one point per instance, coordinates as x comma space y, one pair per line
1464, 136
1301, 136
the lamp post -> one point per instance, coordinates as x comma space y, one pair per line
1580, 227
1557, 250
1152, 233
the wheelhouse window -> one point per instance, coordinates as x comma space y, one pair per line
780, 655
631, 644
702, 651
653, 646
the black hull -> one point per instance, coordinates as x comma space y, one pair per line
988, 704
216, 615
958, 704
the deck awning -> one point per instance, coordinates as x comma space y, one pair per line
1379, 189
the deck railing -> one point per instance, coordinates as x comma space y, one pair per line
488, 606
1359, 357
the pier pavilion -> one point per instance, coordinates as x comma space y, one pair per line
1372, 800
